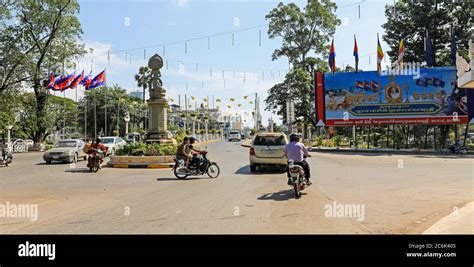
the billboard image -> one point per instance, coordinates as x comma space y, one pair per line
430, 96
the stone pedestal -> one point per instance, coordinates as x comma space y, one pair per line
157, 106
158, 118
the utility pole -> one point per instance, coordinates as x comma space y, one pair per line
105, 116
85, 121
118, 117
95, 119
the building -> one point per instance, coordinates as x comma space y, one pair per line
137, 94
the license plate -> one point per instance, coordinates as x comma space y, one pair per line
55, 157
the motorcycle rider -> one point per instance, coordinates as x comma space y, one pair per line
4, 148
99, 147
181, 151
297, 151
193, 152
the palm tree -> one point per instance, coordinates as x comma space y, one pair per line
143, 78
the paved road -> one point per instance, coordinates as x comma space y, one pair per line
399, 194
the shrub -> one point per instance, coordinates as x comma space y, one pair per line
140, 148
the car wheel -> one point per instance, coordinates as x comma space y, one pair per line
85, 157
253, 168
74, 159
48, 162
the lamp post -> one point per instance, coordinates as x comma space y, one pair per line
126, 118
9, 130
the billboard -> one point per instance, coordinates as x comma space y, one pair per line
427, 96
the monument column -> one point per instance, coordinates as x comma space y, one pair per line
157, 106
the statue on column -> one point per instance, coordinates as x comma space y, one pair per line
156, 89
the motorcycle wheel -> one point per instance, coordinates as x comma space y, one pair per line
180, 175
95, 167
463, 151
213, 170
296, 187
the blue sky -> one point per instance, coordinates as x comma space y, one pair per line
120, 25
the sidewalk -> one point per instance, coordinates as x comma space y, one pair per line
411, 151
458, 222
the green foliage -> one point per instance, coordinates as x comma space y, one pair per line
38, 37
114, 101
302, 30
413, 18
147, 149
337, 140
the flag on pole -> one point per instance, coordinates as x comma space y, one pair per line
51, 81
332, 57
428, 51
63, 83
379, 55
401, 51
87, 81
356, 54
98, 80
76, 81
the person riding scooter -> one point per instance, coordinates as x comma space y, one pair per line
98, 147
193, 152
296, 151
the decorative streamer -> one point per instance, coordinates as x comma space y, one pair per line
166, 64
233, 75
163, 50
222, 74
196, 67
186, 47
144, 53
108, 57
208, 43
259, 38
210, 72
233, 39
126, 56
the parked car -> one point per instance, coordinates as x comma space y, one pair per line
66, 151
113, 143
268, 149
234, 135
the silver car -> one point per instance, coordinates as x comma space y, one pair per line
66, 151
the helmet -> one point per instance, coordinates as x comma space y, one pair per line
192, 138
295, 137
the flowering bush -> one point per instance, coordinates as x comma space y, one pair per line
143, 149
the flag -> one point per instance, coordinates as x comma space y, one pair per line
63, 83
379, 55
98, 80
56, 82
332, 57
437, 82
374, 85
429, 81
76, 81
87, 81
367, 85
421, 82
356, 54
360, 85
51, 81
428, 51
453, 49
401, 51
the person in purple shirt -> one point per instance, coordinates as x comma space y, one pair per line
296, 151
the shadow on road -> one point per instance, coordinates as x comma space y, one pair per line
176, 179
78, 170
261, 170
279, 196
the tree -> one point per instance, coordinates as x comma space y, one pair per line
104, 107
44, 38
413, 18
143, 78
302, 31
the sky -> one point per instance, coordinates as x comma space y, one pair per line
239, 68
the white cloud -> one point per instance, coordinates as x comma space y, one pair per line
180, 3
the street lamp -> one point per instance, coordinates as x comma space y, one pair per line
9, 129
126, 118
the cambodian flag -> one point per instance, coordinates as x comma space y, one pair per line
76, 81
332, 57
98, 80
356, 54
374, 85
87, 81
64, 83
51, 81
56, 83
421, 82
437, 82
360, 85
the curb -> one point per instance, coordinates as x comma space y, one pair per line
460, 222
151, 165
384, 151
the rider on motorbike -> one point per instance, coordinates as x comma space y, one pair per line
4, 148
297, 151
193, 152
99, 147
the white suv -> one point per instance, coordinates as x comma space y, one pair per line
268, 149
234, 135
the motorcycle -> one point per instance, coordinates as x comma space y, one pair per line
6, 158
94, 159
456, 149
297, 177
205, 166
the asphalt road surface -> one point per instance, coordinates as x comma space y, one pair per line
395, 194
